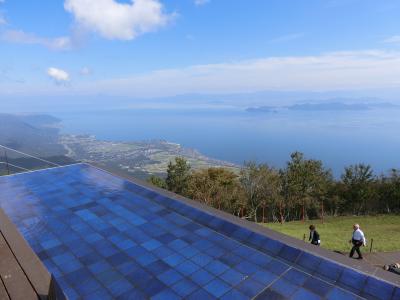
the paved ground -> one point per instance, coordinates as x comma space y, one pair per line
380, 259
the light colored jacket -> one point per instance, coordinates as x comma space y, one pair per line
358, 235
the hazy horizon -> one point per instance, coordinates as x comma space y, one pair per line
156, 68
158, 48
51, 104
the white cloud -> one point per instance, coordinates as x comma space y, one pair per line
21, 37
393, 39
337, 71
58, 75
330, 71
201, 2
114, 20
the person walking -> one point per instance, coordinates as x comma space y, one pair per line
358, 240
314, 236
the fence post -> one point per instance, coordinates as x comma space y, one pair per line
7, 166
372, 242
322, 211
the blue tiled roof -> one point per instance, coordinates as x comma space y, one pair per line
104, 237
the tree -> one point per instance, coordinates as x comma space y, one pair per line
270, 190
157, 181
178, 176
217, 187
303, 189
261, 185
389, 192
334, 203
358, 189
305, 183
249, 180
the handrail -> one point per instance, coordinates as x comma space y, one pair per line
32, 156
15, 166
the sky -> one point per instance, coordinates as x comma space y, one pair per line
159, 48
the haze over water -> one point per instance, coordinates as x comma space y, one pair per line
337, 138
61, 57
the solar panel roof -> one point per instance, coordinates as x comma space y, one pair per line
104, 237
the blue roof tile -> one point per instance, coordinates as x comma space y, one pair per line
103, 237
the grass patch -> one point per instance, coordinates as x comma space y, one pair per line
336, 231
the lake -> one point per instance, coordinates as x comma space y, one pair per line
338, 138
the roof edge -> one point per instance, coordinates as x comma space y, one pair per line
342, 260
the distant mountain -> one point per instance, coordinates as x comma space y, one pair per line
384, 105
103, 102
262, 109
33, 134
39, 120
330, 106
333, 105
345, 105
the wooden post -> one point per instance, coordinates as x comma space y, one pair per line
322, 211
304, 237
372, 242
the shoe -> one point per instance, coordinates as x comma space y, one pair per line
359, 258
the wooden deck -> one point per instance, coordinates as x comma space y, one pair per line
15, 284
22, 274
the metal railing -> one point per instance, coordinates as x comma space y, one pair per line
13, 161
11, 166
7, 166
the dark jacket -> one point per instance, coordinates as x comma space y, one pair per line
314, 238
393, 269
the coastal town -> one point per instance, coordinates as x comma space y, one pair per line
141, 158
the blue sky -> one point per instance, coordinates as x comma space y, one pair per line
168, 47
